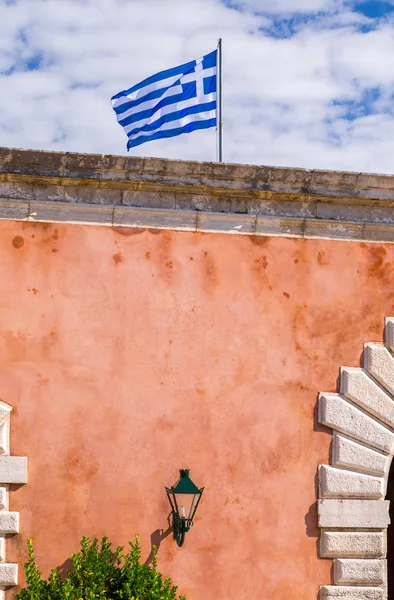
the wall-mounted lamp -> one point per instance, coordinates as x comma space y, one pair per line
184, 498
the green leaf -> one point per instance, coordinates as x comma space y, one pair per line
100, 573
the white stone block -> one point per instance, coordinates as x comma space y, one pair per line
353, 544
389, 333
2, 548
5, 437
335, 483
13, 469
359, 571
336, 592
353, 514
4, 498
339, 414
8, 574
9, 522
359, 387
4, 411
380, 364
350, 454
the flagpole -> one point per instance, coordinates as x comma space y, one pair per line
220, 102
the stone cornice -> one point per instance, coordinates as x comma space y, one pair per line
161, 175
195, 196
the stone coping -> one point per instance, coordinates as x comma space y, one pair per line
125, 172
195, 196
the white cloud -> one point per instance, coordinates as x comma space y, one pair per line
281, 95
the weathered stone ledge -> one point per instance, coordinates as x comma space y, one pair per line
129, 173
193, 196
193, 220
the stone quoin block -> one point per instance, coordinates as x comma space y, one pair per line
350, 454
356, 571
359, 387
4, 412
8, 574
9, 522
13, 469
380, 364
389, 333
334, 592
353, 514
5, 438
338, 414
2, 550
339, 482
3, 498
353, 543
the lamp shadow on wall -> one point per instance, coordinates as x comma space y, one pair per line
156, 537
64, 568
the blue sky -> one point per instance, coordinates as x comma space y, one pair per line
308, 83
374, 10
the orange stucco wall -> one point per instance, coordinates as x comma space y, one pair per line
129, 354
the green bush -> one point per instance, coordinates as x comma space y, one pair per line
99, 572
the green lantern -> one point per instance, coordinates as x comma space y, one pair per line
184, 499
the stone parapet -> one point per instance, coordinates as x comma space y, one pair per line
195, 196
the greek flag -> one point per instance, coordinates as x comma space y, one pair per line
176, 101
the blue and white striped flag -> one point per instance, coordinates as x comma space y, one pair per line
176, 101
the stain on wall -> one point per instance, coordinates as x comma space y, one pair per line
129, 354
